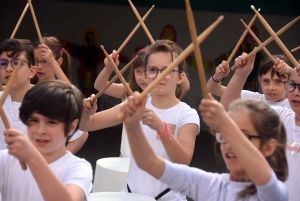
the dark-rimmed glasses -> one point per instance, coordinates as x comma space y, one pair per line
13, 62
42, 62
153, 72
290, 86
222, 140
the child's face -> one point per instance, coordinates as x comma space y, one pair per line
47, 136
273, 87
44, 71
139, 76
243, 121
294, 97
24, 75
161, 61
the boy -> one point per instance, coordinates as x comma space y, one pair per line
52, 111
10, 51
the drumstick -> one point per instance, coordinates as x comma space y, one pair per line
278, 33
35, 22
3, 97
177, 61
20, 20
114, 78
240, 41
133, 31
141, 21
112, 63
295, 49
275, 37
258, 41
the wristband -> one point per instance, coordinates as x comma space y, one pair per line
165, 131
219, 82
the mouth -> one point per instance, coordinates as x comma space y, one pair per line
42, 142
230, 155
296, 101
272, 94
7, 77
40, 73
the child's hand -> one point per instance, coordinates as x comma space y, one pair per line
244, 66
222, 71
281, 67
150, 119
90, 105
133, 108
19, 145
298, 69
46, 54
213, 113
115, 58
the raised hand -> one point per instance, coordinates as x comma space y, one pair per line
89, 105
222, 71
244, 66
115, 58
281, 67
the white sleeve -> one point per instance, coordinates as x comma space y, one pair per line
81, 175
76, 135
245, 94
282, 111
192, 182
274, 190
190, 116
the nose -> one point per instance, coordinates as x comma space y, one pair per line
272, 86
9, 67
296, 92
40, 128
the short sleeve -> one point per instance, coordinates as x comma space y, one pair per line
245, 94
190, 116
76, 135
283, 112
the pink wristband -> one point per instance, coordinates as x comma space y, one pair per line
166, 130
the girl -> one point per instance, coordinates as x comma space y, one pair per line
252, 141
163, 111
136, 83
271, 82
53, 62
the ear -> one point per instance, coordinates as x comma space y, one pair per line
269, 147
73, 127
181, 78
60, 61
33, 70
259, 79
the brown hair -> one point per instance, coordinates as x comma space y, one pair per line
58, 52
269, 126
172, 48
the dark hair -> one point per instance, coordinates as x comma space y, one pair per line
55, 100
269, 126
172, 48
58, 52
18, 46
139, 62
267, 64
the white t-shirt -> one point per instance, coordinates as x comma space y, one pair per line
254, 95
17, 184
140, 181
201, 185
292, 151
11, 109
125, 147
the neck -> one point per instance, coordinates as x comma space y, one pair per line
47, 79
19, 92
239, 178
164, 102
50, 158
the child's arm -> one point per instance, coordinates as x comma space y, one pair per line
20, 147
49, 58
185, 87
91, 121
114, 90
237, 82
250, 157
214, 83
75, 146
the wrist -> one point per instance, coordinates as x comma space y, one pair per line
216, 78
161, 127
165, 132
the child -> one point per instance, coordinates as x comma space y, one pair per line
252, 141
271, 82
136, 83
54, 62
51, 110
290, 117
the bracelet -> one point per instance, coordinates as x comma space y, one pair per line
166, 130
219, 82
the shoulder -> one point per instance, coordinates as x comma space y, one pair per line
283, 112
252, 95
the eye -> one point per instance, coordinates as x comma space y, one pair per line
31, 121
153, 70
52, 122
15, 62
265, 81
3, 63
278, 81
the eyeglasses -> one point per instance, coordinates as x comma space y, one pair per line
43, 63
290, 86
14, 62
153, 72
222, 140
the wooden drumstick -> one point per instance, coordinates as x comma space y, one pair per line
240, 41
112, 63
114, 78
20, 20
278, 33
276, 38
134, 30
176, 61
141, 21
258, 41
295, 49
35, 22
3, 97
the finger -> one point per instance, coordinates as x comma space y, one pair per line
210, 96
244, 58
